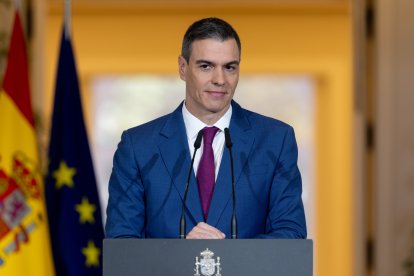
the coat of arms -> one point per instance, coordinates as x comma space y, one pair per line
17, 218
207, 265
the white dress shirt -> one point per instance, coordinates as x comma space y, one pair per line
193, 125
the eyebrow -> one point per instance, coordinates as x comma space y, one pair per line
202, 61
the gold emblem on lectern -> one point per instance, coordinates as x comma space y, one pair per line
207, 265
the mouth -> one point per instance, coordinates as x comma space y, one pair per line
215, 93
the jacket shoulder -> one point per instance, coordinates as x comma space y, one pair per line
149, 128
265, 123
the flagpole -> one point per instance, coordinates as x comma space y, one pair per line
67, 18
18, 6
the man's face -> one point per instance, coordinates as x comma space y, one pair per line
211, 77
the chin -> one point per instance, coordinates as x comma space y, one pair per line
217, 108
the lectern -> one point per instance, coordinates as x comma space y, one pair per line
174, 257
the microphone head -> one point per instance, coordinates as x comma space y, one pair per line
197, 143
227, 138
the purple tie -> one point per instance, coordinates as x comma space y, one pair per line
206, 169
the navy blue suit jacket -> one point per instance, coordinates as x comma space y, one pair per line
150, 173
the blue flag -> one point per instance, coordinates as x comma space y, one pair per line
72, 200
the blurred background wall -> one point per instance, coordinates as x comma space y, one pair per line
359, 56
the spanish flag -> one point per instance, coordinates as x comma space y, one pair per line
24, 241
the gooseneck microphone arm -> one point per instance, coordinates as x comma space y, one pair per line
229, 145
197, 145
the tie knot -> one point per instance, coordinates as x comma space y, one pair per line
208, 134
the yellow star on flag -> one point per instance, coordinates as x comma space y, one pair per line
85, 210
64, 175
91, 253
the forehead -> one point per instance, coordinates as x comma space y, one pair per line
208, 49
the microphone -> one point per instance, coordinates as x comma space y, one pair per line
197, 145
229, 144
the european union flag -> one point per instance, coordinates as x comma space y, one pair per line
75, 221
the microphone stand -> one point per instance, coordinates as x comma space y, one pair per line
197, 145
229, 145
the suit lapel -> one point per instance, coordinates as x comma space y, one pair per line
243, 139
174, 152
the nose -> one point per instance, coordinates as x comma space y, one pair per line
218, 77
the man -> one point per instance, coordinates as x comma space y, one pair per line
151, 164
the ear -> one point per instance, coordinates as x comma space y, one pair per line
182, 67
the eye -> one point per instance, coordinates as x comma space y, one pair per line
205, 66
231, 68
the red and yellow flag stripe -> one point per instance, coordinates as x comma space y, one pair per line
24, 238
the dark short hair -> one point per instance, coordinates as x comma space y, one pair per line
208, 28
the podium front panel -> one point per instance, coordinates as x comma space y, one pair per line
250, 257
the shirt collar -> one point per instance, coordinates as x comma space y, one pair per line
193, 125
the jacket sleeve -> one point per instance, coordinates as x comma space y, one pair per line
286, 216
126, 206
